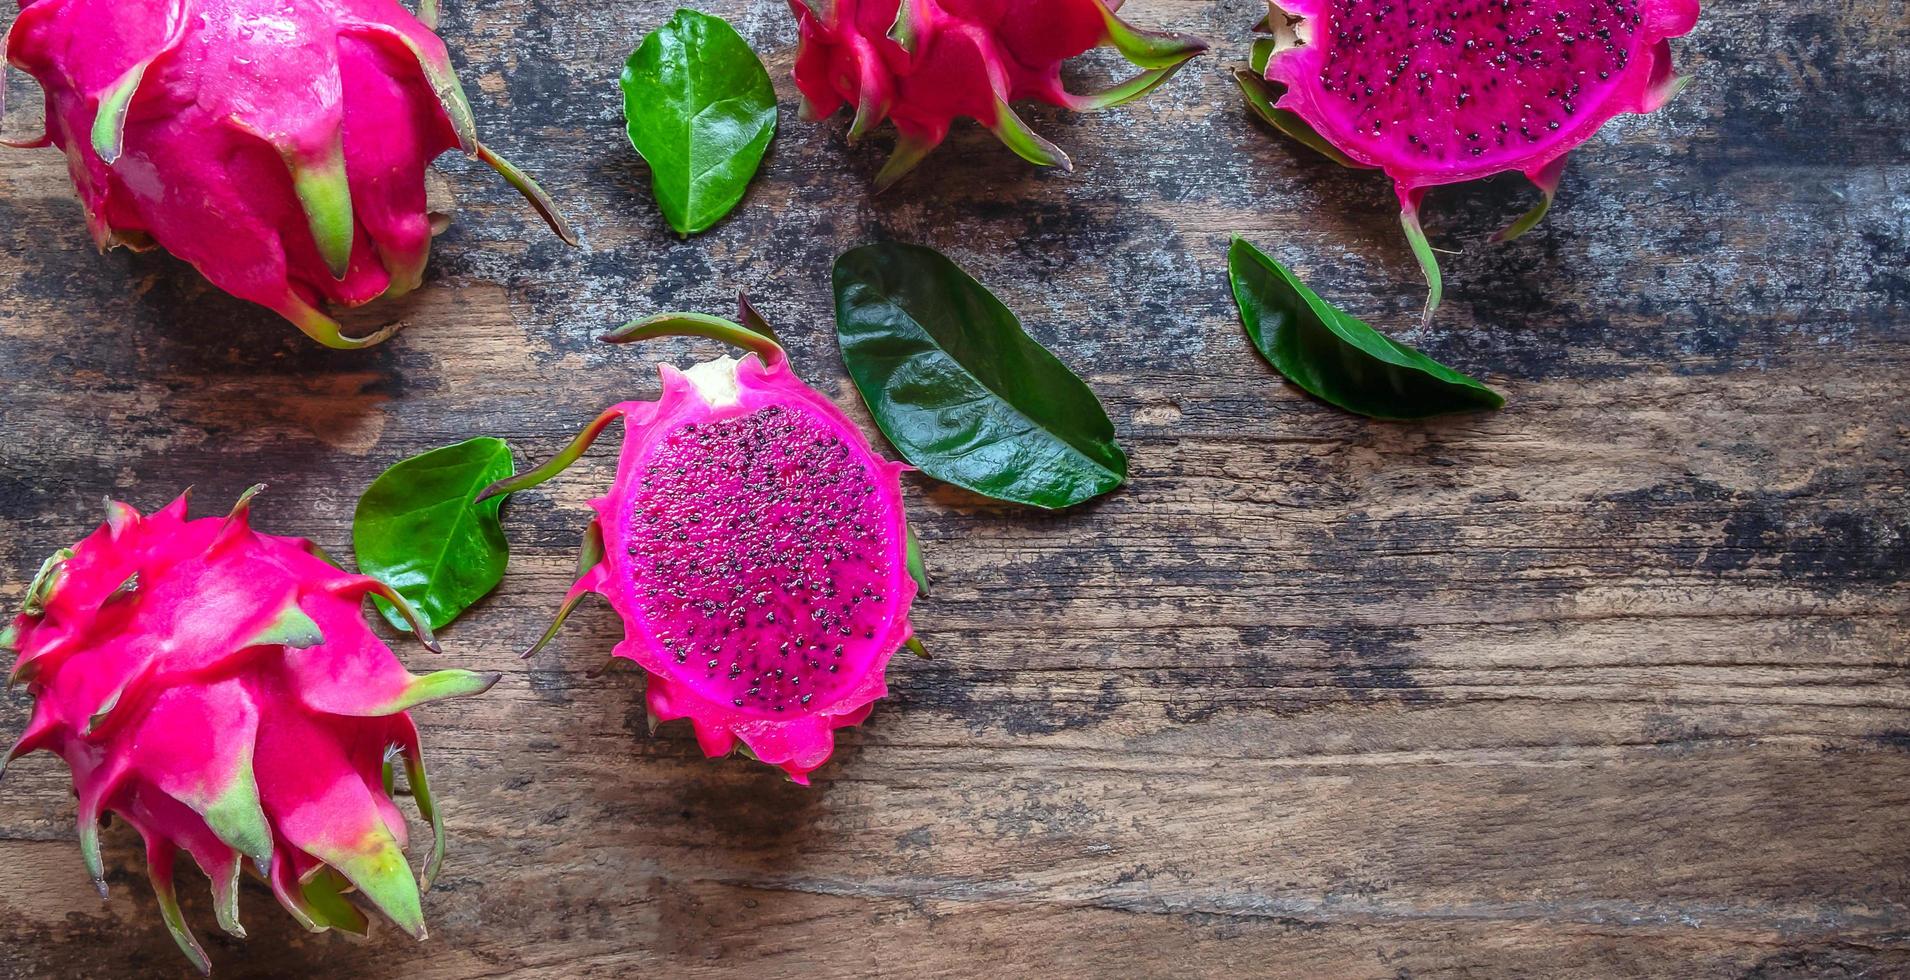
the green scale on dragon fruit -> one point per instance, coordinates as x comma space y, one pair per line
1445, 92
755, 546
278, 148
219, 690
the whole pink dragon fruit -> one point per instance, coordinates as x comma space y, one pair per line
219, 690
1441, 93
924, 63
756, 548
280, 147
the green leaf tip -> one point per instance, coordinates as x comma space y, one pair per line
959, 387
1336, 358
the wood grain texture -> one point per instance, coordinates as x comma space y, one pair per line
1614, 682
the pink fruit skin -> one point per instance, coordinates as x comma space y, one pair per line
948, 59
219, 690
279, 147
760, 600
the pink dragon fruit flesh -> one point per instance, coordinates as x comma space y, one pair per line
218, 689
1447, 92
279, 147
924, 63
755, 547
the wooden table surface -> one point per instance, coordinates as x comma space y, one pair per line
1612, 682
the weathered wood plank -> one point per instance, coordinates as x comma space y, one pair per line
1612, 682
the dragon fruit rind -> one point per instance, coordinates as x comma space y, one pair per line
756, 548
218, 689
1441, 93
925, 63
278, 147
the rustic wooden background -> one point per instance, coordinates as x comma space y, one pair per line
1613, 682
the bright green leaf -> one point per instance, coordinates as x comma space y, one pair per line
418, 529
1337, 358
960, 390
701, 110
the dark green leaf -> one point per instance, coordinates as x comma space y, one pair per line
960, 390
701, 110
418, 529
1336, 358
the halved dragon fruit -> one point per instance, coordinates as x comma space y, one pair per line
219, 690
1447, 92
925, 63
278, 147
755, 546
